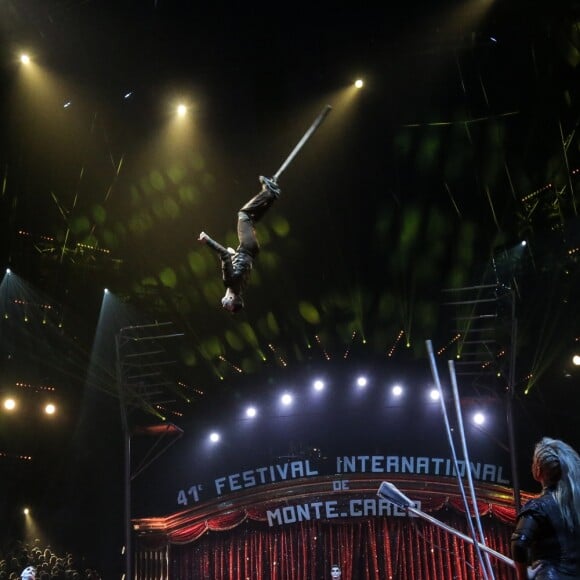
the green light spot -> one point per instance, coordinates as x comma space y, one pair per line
213, 290
159, 209
157, 180
110, 239
99, 214
272, 323
146, 186
168, 277
234, 340
176, 173
197, 161
280, 226
135, 195
309, 312
171, 208
188, 194
80, 225
189, 358
197, 263
248, 333
428, 152
212, 346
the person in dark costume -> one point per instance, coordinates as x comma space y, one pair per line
547, 533
237, 264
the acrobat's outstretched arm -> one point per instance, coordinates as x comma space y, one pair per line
225, 255
215, 246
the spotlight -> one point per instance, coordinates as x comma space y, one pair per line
362, 382
576, 360
26, 511
9, 404
434, 395
24, 59
286, 399
214, 437
106, 290
397, 390
479, 418
359, 83
251, 412
50, 409
181, 110
318, 385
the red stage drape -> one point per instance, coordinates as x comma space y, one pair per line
370, 549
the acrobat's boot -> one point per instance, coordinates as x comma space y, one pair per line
259, 204
271, 184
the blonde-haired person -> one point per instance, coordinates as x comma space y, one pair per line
547, 534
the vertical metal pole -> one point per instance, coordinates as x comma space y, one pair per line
455, 391
509, 408
128, 546
127, 457
435, 372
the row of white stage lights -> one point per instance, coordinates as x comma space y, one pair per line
397, 391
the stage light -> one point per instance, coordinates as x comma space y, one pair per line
251, 412
181, 110
362, 382
8, 271
576, 360
24, 59
286, 399
9, 404
127, 95
397, 390
214, 437
26, 511
524, 243
106, 290
434, 395
50, 409
359, 83
479, 418
318, 385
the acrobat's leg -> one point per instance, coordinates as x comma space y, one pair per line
259, 204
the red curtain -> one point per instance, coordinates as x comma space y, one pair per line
373, 549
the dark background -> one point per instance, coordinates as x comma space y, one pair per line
462, 143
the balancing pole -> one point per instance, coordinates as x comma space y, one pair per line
390, 492
317, 122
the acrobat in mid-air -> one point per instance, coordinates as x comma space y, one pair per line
237, 264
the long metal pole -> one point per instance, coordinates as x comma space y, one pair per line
126, 459
459, 534
455, 391
317, 122
509, 408
435, 373
389, 492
